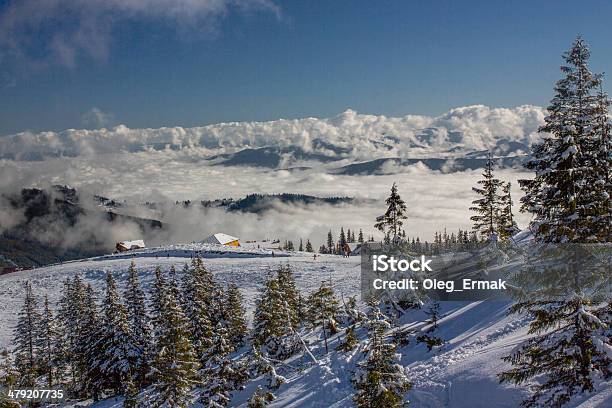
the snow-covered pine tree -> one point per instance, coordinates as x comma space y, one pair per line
601, 162
270, 325
350, 340
570, 328
235, 312
565, 197
506, 226
289, 292
218, 373
331, 248
86, 350
174, 368
70, 312
569, 347
138, 320
342, 240
360, 238
487, 206
260, 398
392, 220
380, 381
49, 361
9, 377
309, 246
198, 292
116, 353
323, 309
27, 340
428, 337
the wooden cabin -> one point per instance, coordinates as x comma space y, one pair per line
222, 239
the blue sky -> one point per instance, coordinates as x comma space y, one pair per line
258, 60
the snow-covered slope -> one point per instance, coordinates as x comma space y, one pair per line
460, 374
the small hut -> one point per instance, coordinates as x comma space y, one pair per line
222, 239
125, 246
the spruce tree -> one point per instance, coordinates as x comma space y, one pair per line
117, 354
9, 377
27, 340
70, 316
49, 345
219, 371
568, 197
260, 398
138, 320
174, 368
198, 292
599, 177
330, 243
506, 226
380, 380
289, 293
487, 206
323, 309
360, 239
309, 246
86, 348
350, 340
562, 290
301, 247
271, 328
235, 316
392, 220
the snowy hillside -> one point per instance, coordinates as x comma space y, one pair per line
460, 374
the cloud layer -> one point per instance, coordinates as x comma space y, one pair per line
365, 136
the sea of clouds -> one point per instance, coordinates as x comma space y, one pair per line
472, 127
169, 164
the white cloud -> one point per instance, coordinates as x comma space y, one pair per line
70, 29
96, 118
367, 136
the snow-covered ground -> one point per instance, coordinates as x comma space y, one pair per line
460, 374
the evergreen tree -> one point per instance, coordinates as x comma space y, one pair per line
360, 239
301, 247
506, 226
323, 311
138, 320
289, 292
219, 372
271, 328
428, 338
86, 351
350, 340
600, 163
569, 197
260, 398
198, 289
568, 350
309, 246
380, 380
330, 243
235, 316
116, 353
48, 343
174, 369
487, 206
392, 220
9, 377
27, 340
